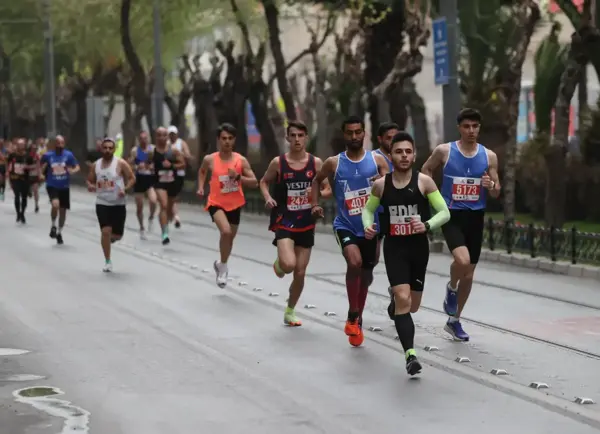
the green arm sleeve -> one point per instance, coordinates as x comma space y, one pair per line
368, 213
442, 214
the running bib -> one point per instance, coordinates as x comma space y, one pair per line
228, 185
466, 189
166, 176
297, 200
19, 169
143, 170
105, 184
400, 225
356, 200
59, 169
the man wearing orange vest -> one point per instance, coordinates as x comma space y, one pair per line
229, 172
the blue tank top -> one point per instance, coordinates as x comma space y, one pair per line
351, 189
389, 162
461, 186
141, 156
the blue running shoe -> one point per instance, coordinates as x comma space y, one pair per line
451, 301
456, 330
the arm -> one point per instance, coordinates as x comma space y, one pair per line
248, 178
435, 160
494, 189
437, 202
368, 212
269, 176
128, 174
73, 165
327, 169
44, 166
91, 179
326, 191
179, 162
202, 172
382, 164
186, 152
132, 154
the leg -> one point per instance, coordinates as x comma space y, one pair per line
370, 250
24, 196
303, 243
17, 201
286, 256
152, 200
351, 252
139, 209
163, 199
36, 195
106, 233
227, 224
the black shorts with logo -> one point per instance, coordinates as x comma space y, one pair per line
143, 183
112, 216
465, 228
233, 217
305, 239
368, 248
406, 260
62, 194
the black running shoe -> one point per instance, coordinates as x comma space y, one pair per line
59, 239
53, 232
413, 366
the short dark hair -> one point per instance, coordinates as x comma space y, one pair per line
298, 125
228, 128
385, 127
353, 120
402, 136
468, 114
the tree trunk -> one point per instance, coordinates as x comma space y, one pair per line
418, 115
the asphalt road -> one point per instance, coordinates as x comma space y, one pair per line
157, 347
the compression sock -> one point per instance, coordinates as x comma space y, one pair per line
353, 290
405, 327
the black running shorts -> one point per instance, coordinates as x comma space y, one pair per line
143, 183
406, 260
63, 195
112, 216
233, 217
368, 248
465, 228
304, 239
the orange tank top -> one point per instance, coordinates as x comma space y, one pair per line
225, 193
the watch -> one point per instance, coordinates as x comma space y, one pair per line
493, 185
427, 226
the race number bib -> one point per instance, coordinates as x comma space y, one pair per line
400, 225
356, 200
466, 189
228, 185
166, 176
297, 200
19, 169
59, 169
143, 169
105, 185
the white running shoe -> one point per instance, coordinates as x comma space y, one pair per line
107, 267
150, 224
222, 273
143, 235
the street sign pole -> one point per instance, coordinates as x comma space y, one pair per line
445, 41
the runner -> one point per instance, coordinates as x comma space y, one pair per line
405, 195
291, 218
110, 178
230, 171
351, 174
166, 161
467, 167
145, 180
19, 164
385, 134
34, 174
58, 165
181, 146
3, 156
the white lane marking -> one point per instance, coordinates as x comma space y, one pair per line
12, 352
22, 377
76, 418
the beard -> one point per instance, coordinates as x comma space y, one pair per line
107, 155
354, 145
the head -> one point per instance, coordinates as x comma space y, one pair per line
469, 122
59, 144
173, 133
21, 145
108, 148
161, 136
297, 133
226, 135
40, 141
33, 147
403, 151
143, 139
385, 134
353, 129
99, 145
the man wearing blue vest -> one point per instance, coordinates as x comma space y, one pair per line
470, 171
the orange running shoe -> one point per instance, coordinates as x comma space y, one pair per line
356, 341
352, 328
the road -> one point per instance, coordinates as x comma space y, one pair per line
157, 347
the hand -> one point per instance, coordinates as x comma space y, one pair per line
375, 178
121, 192
200, 192
486, 181
309, 192
232, 173
142, 166
70, 170
317, 212
417, 226
371, 232
270, 203
91, 187
166, 164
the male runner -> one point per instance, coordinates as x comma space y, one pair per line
291, 218
405, 195
167, 161
110, 178
57, 167
145, 180
34, 174
385, 134
469, 169
182, 146
20, 162
351, 174
3, 156
230, 171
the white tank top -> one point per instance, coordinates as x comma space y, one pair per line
179, 146
108, 184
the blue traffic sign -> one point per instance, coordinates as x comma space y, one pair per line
441, 57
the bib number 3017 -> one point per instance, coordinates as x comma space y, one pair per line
466, 189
